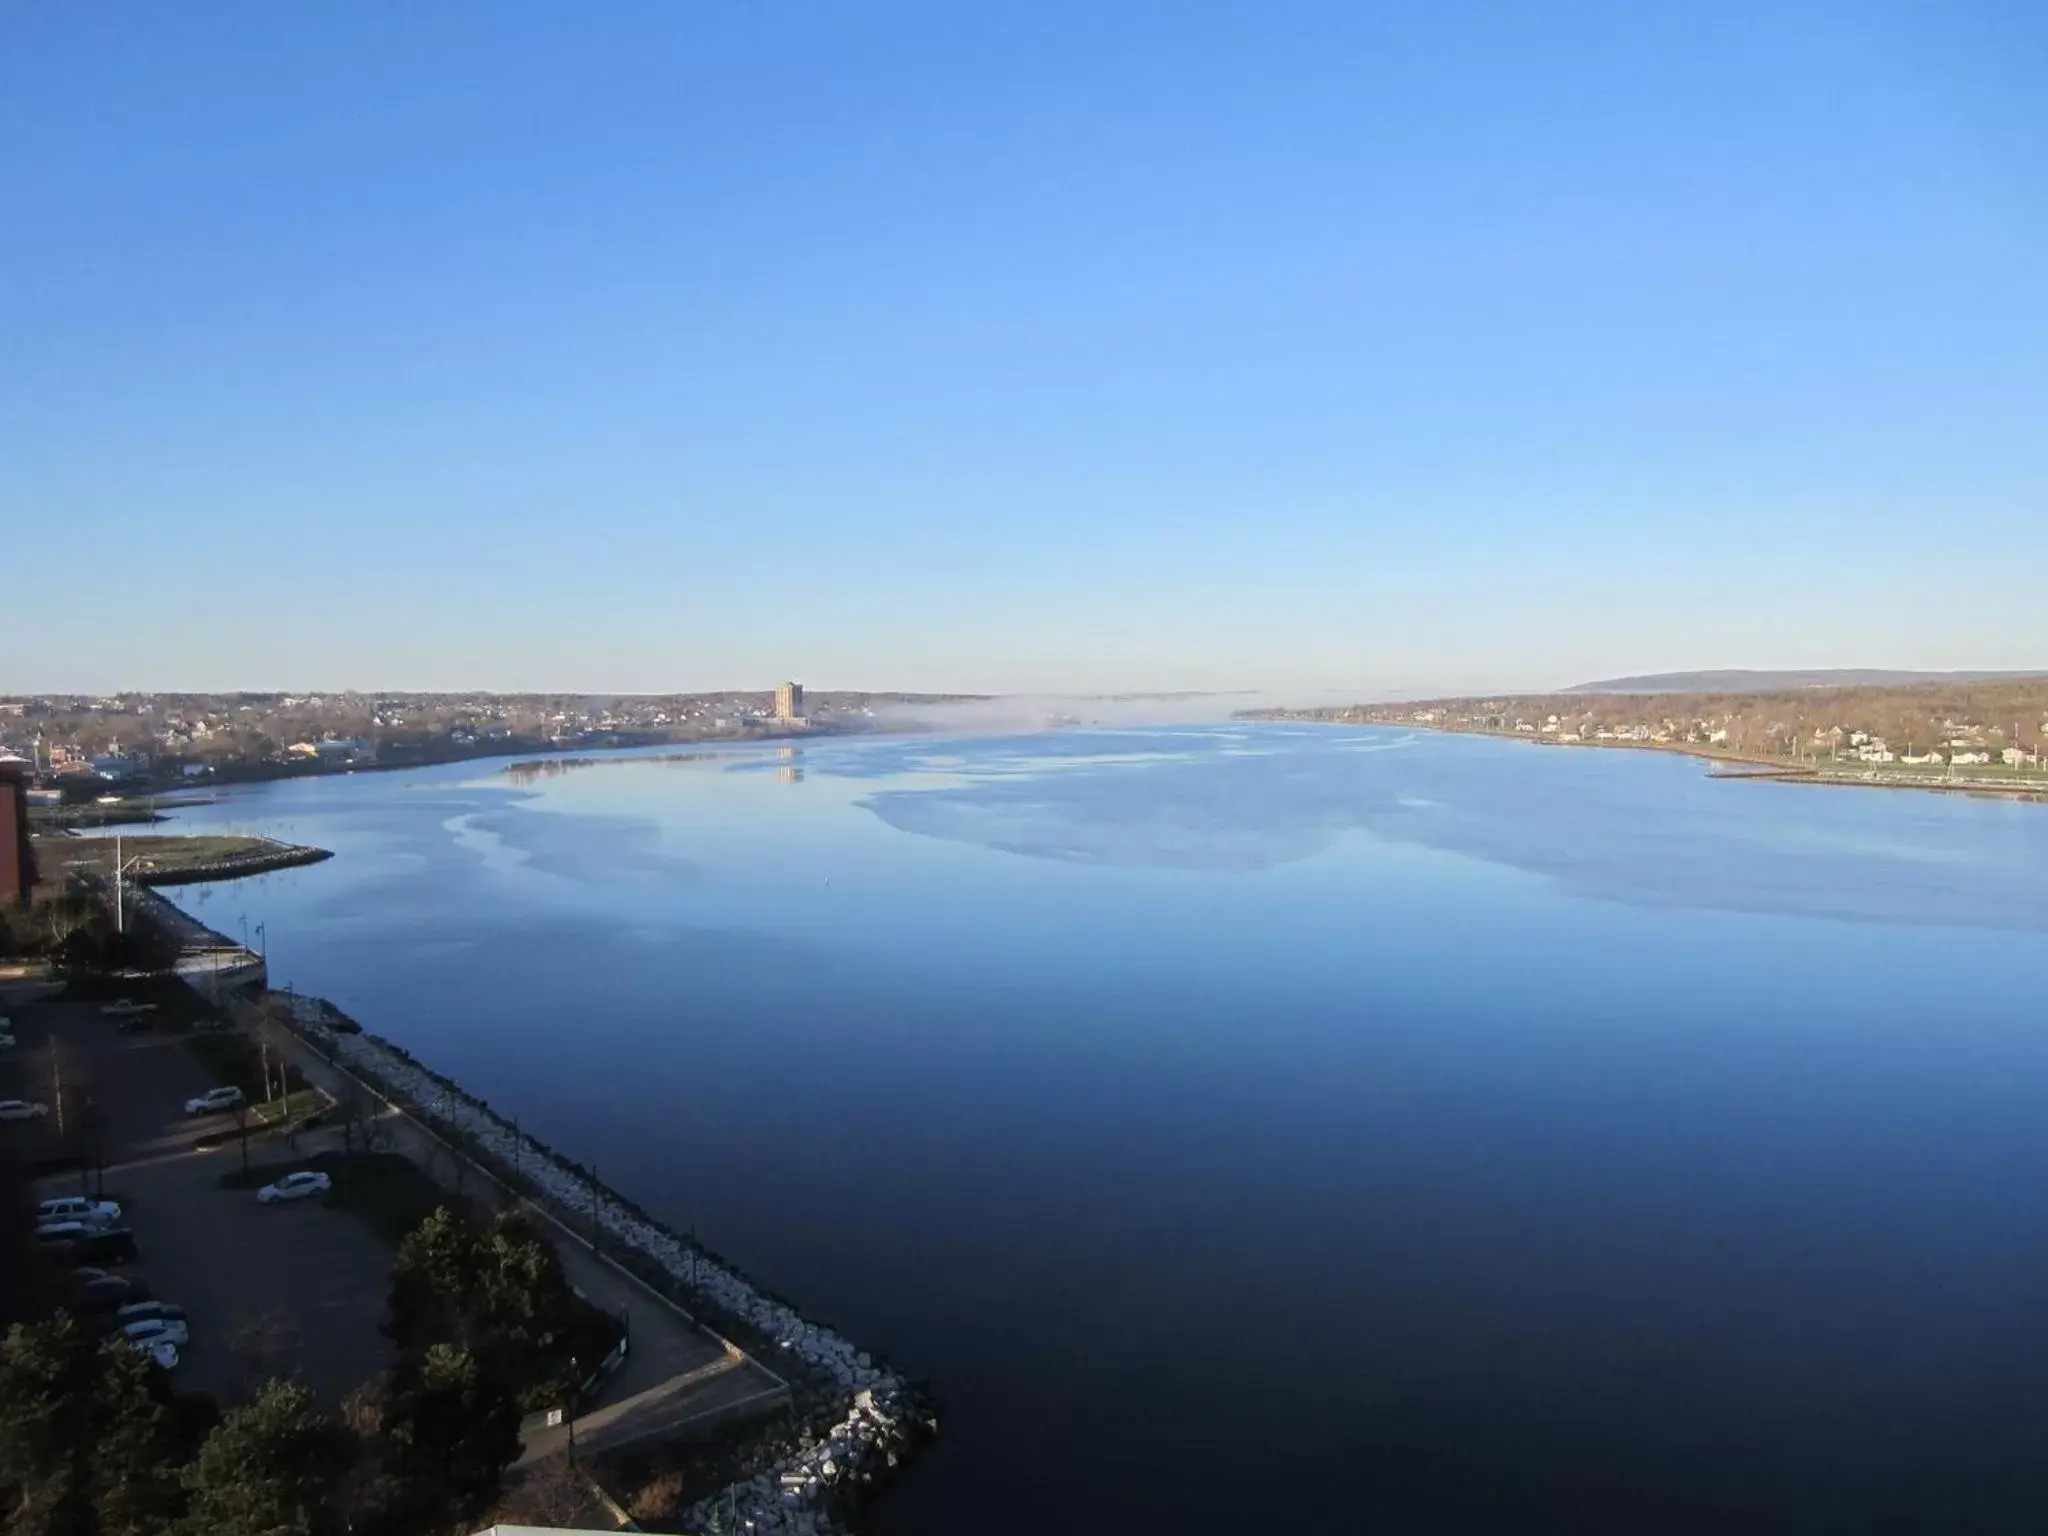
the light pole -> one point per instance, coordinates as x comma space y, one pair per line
120, 870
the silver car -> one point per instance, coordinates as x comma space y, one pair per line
214, 1100
101, 1213
295, 1186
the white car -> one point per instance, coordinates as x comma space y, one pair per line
126, 1008
157, 1330
214, 1100
22, 1109
295, 1186
162, 1351
99, 1213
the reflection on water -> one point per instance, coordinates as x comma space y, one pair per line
1401, 1132
532, 770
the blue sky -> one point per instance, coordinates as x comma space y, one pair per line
1029, 347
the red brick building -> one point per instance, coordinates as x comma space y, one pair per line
17, 856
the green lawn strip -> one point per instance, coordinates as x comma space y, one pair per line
302, 1101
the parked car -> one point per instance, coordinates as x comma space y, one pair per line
22, 1109
126, 1008
162, 1351
6, 1042
65, 1229
161, 1330
214, 1100
150, 1311
79, 1208
295, 1186
105, 1292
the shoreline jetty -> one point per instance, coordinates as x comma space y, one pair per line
853, 1423
267, 855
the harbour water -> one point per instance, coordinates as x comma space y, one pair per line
1251, 1125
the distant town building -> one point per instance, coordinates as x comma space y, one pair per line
789, 701
17, 853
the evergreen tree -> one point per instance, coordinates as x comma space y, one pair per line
500, 1295
135, 1446
266, 1468
46, 1380
429, 1279
445, 1430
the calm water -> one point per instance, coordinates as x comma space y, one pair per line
1255, 1126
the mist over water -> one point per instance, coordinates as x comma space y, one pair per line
1012, 714
1251, 1125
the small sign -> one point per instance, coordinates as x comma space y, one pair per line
554, 1417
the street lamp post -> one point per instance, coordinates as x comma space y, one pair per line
120, 872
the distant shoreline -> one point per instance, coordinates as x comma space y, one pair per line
1777, 770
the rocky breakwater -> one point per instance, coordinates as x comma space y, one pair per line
854, 1421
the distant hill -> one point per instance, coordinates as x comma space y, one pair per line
1772, 682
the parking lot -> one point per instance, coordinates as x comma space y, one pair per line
294, 1289
75, 1059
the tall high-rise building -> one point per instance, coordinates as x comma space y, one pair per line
17, 854
789, 701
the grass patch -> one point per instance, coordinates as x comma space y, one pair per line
300, 1101
387, 1189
